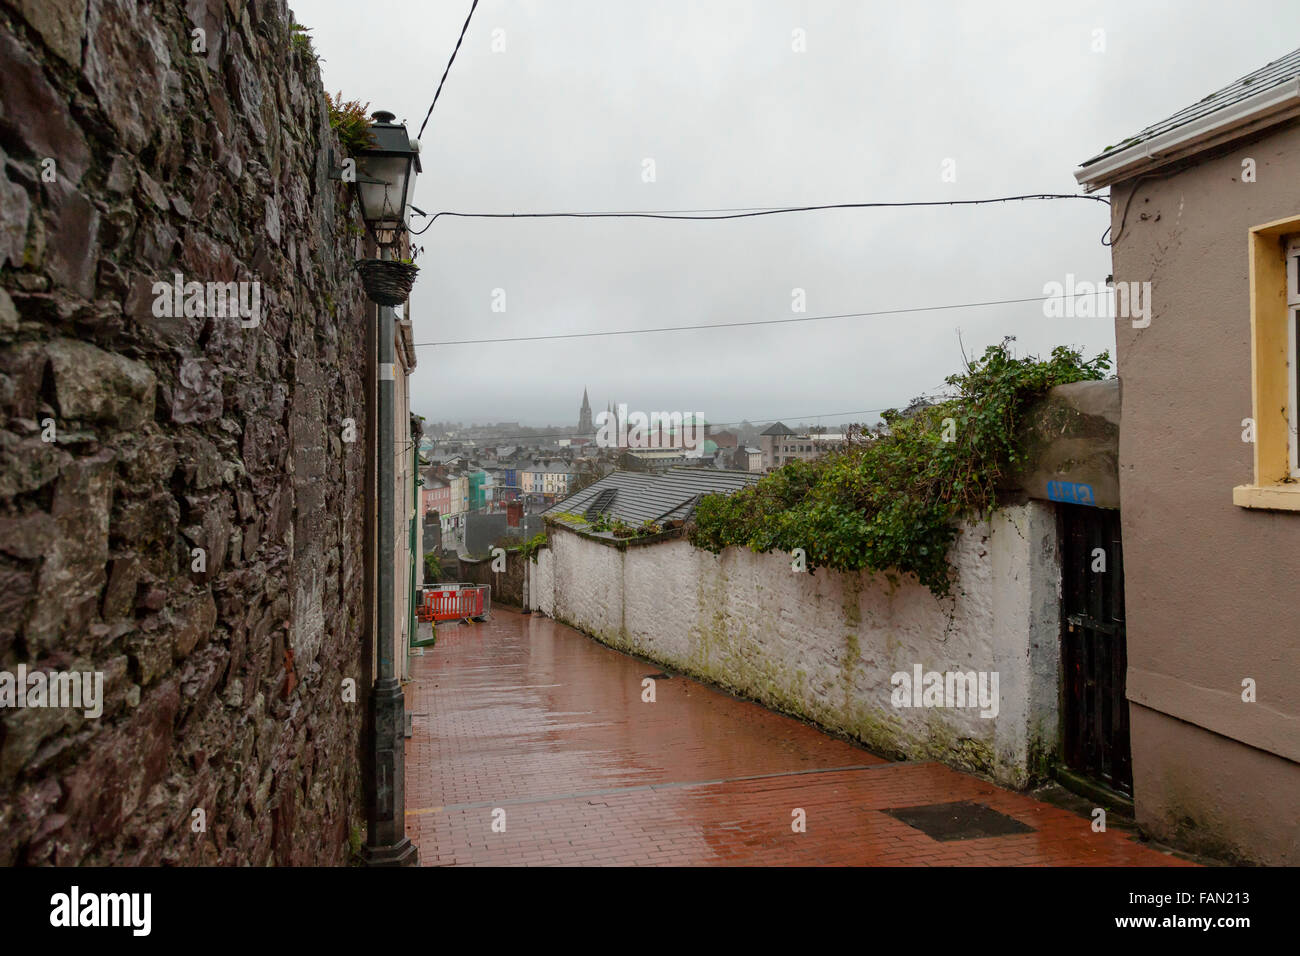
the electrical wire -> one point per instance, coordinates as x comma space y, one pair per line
752, 211
1133, 188
753, 322
438, 92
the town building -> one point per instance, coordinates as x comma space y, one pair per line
556, 478
1205, 226
435, 494
723, 439
780, 445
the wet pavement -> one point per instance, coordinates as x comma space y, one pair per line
532, 746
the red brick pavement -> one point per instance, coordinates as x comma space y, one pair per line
529, 716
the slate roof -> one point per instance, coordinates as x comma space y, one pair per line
641, 496
1267, 77
779, 428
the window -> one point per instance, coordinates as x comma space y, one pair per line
1275, 367
1293, 350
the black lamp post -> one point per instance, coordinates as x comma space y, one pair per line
385, 178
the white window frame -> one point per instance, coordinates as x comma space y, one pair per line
1293, 349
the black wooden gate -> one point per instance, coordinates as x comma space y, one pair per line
1093, 656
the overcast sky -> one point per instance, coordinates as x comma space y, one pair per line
585, 91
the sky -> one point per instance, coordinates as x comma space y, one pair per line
557, 106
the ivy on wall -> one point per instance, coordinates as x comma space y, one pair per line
894, 500
533, 545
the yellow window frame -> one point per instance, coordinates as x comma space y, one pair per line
1274, 315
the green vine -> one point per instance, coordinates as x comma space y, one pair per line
533, 545
432, 567
895, 500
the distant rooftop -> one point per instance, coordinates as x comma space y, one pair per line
778, 428
637, 496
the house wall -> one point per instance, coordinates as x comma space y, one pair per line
459, 495
1212, 595
482, 531
823, 646
223, 684
436, 499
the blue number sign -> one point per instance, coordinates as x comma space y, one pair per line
1070, 491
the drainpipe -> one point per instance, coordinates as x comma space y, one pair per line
386, 840
416, 481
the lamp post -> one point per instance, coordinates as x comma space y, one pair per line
385, 180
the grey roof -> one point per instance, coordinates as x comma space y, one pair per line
779, 428
1266, 77
641, 496
552, 466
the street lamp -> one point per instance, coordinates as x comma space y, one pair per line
385, 181
385, 178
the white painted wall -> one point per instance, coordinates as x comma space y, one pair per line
824, 645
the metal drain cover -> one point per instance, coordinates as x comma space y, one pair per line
958, 821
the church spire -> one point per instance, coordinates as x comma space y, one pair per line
585, 425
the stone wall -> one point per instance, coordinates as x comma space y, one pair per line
132, 439
432, 531
824, 646
507, 586
1073, 435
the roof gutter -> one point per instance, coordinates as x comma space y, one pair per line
1267, 108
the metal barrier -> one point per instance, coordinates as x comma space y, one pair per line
454, 602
